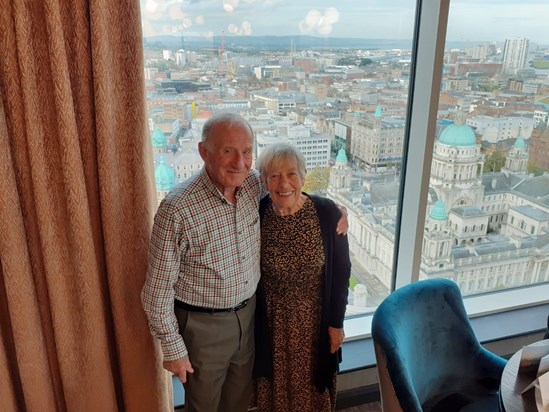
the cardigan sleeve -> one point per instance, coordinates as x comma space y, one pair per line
338, 262
341, 273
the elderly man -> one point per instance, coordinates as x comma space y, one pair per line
204, 255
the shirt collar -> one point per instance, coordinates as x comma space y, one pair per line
207, 182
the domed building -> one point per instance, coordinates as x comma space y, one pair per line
172, 166
517, 160
340, 174
456, 170
484, 231
498, 222
165, 179
159, 142
437, 241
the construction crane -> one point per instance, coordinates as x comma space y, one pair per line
222, 64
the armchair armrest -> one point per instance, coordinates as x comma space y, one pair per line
490, 368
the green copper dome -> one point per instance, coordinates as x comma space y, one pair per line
164, 176
341, 156
438, 212
458, 135
378, 111
159, 139
520, 143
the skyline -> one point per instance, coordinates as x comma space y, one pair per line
490, 21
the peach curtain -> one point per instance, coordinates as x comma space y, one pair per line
76, 205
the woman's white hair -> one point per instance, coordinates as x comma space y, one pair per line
279, 152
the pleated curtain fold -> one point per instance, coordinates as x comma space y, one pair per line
76, 207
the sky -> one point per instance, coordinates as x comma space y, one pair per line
469, 20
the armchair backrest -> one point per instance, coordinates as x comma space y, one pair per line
424, 343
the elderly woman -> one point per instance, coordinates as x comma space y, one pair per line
305, 270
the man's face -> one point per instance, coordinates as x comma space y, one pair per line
228, 156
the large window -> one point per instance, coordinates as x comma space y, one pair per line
428, 123
487, 212
333, 79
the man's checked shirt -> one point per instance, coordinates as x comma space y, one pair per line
204, 251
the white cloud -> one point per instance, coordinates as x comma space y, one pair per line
486, 20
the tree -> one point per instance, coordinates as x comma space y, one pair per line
494, 162
535, 169
347, 61
317, 179
365, 62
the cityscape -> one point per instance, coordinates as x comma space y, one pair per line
345, 106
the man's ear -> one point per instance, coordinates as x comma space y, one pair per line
202, 150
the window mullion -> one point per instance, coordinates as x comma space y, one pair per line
426, 73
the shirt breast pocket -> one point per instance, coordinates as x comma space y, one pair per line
251, 225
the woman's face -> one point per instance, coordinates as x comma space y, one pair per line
284, 184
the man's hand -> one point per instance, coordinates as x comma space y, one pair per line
180, 367
336, 338
343, 223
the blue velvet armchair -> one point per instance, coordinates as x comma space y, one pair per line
428, 356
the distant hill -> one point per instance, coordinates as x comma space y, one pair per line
273, 43
282, 43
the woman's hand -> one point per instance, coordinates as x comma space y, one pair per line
336, 338
343, 222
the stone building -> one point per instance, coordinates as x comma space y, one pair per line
484, 231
